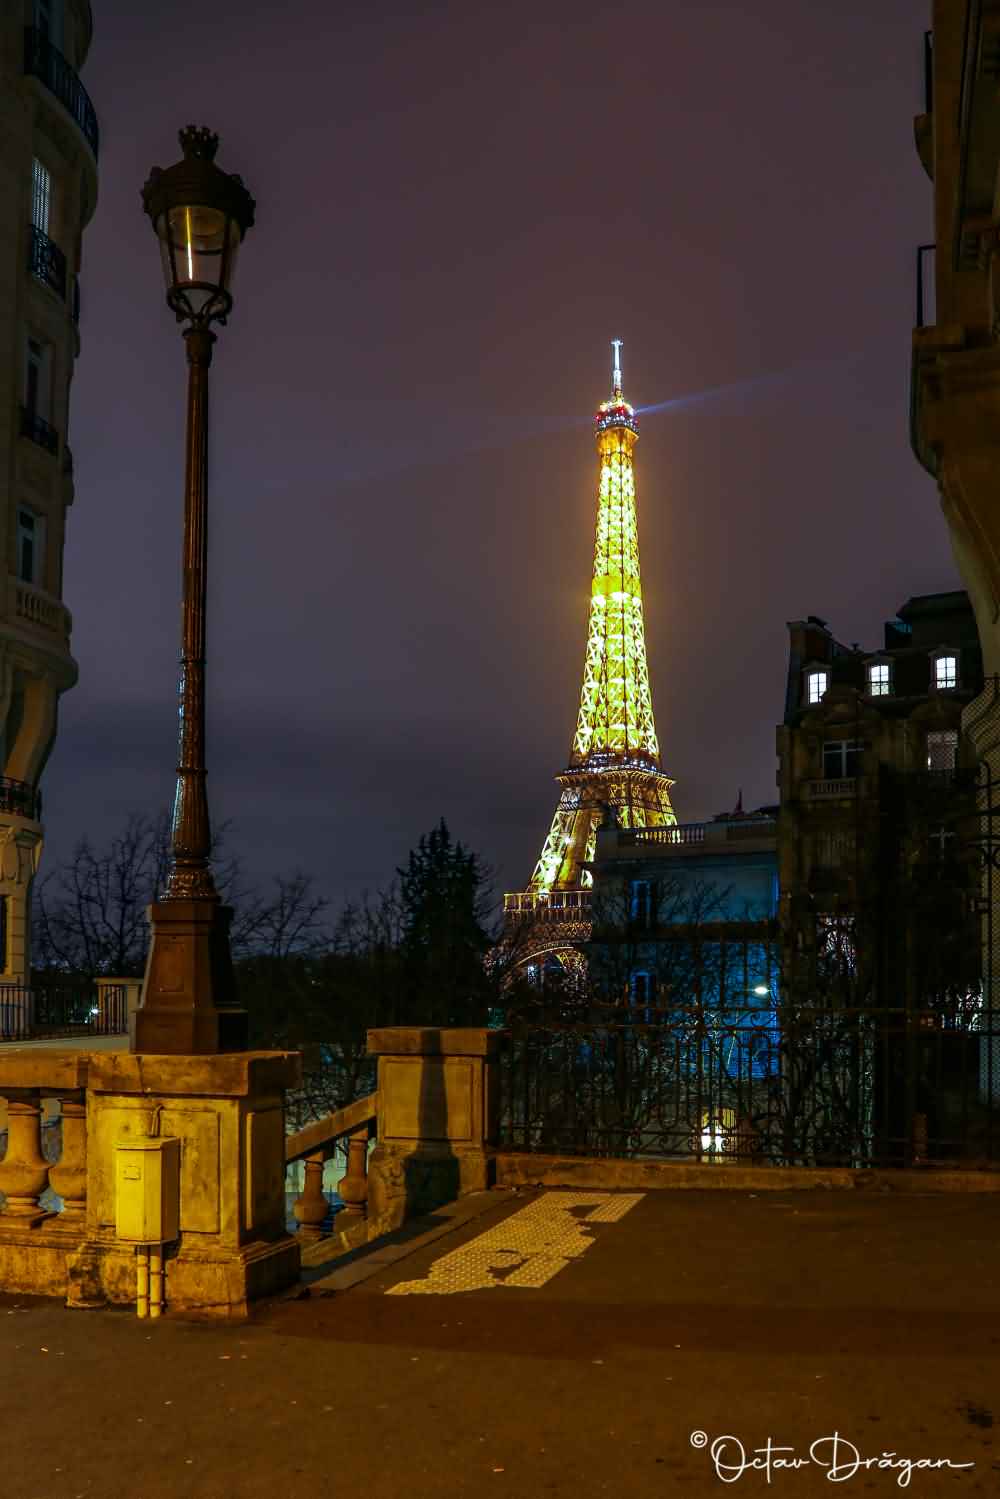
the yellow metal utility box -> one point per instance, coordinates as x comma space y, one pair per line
147, 1190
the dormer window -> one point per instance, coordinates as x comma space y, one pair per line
945, 670
879, 678
816, 684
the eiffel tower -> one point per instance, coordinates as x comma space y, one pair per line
614, 770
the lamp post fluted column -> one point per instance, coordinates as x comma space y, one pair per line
188, 1002
191, 839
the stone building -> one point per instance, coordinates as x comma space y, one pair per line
876, 776
686, 915
48, 190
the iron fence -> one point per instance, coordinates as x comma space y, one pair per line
820, 1087
30, 1011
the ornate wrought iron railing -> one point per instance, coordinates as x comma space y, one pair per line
854, 1088
43, 61
39, 430
46, 261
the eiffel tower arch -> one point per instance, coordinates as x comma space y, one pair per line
614, 767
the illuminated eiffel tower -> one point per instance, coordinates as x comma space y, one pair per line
614, 767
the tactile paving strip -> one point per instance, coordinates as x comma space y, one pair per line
527, 1248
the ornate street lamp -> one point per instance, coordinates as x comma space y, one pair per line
200, 215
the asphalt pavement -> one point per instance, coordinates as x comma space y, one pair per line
556, 1343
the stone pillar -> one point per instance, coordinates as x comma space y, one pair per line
437, 1119
228, 1113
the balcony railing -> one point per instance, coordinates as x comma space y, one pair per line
849, 786
19, 798
39, 430
548, 905
42, 60
36, 607
688, 832
46, 261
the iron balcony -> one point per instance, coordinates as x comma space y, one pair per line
46, 261
19, 798
45, 62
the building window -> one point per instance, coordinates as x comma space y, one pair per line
41, 195
38, 378
816, 684
836, 950
879, 679
842, 759
642, 988
832, 850
942, 749
945, 671
640, 902
30, 545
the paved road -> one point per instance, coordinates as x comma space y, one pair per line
605, 1334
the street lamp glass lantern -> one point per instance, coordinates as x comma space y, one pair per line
198, 245
200, 215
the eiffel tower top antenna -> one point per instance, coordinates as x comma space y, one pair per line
616, 368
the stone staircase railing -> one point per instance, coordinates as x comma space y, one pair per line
314, 1145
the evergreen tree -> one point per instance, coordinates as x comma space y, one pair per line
445, 898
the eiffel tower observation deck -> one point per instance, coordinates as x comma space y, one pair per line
614, 768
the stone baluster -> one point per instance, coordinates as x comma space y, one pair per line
69, 1176
24, 1171
311, 1208
353, 1185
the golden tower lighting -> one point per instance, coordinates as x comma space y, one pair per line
615, 761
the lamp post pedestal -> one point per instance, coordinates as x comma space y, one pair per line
188, 995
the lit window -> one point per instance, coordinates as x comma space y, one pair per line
816, 684
41, 195
842, 759
945, 671
879, 679
942, 749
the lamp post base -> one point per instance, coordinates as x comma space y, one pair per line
187, 1008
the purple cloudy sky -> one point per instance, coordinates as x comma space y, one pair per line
459, 204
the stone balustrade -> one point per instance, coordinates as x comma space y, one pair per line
38, 1237
433, 1118
58, 1233
314, 1146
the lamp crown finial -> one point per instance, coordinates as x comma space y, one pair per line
198, 141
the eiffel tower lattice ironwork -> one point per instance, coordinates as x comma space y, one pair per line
615, 762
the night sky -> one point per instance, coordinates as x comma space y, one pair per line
458, 205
